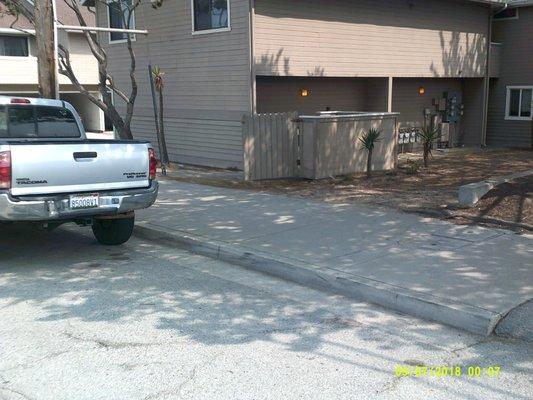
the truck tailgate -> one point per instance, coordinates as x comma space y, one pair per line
73, 167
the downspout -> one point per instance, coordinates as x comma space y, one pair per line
486, 88
253, 99
56, 49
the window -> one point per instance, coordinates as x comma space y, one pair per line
509, 13
56, 122
210, 15
119, 17
41, 122
21, 122
13, 46
519, 103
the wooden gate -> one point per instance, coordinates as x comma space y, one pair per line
271, 149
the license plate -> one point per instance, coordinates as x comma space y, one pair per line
83, 201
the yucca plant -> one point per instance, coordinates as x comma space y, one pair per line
429, 135
369, 140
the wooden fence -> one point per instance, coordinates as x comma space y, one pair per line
271, 149
285, 145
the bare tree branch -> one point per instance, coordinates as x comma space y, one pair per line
106, 83
97, 50
133, 80
111, 85
67, 70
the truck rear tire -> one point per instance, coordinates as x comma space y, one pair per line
112, 232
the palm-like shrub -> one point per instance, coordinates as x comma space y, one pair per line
369, 140
429, 135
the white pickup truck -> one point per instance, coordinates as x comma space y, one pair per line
50, 173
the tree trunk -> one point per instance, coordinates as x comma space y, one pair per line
426, 155
369, 164
164, 156
44, 35
123, 130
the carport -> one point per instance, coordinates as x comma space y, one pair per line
458, 102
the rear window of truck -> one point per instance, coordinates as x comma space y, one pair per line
37, 122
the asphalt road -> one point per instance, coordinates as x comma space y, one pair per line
143, 321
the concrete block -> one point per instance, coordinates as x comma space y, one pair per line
470, 194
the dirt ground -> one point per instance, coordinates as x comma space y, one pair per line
510, 202
411, 187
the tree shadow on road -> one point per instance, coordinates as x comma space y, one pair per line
188, 296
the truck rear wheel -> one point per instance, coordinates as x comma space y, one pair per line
113, 232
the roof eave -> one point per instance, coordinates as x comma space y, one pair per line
491, 2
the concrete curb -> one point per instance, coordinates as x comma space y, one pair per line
470, 194
450, 214
518, 322
463, 316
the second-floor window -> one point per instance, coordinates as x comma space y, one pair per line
210, 15
13, 46
119, 15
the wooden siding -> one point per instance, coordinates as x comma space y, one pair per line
411, 105
471, 127
279, 94
417, 38
516, 36
207, 81
495, 60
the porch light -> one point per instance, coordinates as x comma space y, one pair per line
421, 90
304, 92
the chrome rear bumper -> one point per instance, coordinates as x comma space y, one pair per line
54, 208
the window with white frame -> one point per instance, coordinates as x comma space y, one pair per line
210, 15
14, 46
519, 103
120, 16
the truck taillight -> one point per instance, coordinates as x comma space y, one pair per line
153, 163
20, 101
5, 170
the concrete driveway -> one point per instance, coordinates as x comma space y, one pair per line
142, 321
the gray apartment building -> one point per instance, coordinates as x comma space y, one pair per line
227, 58
510, 121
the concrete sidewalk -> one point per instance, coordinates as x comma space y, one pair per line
464, 276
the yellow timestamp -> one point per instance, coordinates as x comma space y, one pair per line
443, 371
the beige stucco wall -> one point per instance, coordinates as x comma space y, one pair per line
331, 146
23, 70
